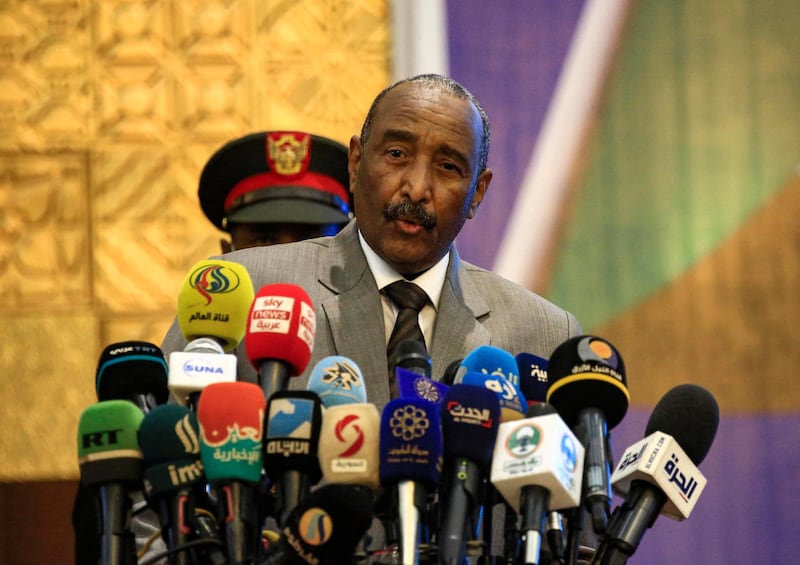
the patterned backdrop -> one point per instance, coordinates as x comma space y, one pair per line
108, 111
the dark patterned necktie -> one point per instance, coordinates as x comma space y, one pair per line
409, 299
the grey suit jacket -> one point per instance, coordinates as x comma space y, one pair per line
476, 308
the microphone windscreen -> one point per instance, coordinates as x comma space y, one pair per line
412, 356
410, 442
291, 434
414, 385
230, 417
170, 444
348, 445
214, 300
337, 380
532, 377
129, 368
512, 407
326, 526
470, 417
108, 447
491, 360
588, 372
281, 327
690, 414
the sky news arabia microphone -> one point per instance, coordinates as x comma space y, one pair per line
470, 419
291, 438
337, 380
589, 389
174, 481
325, 528
410, 465
230, 417
132, 370
110, 464
213, 305
659, 474
537, 466
281, 327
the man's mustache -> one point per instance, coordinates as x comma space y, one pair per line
410, 212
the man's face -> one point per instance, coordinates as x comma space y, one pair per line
244, 235
415, 181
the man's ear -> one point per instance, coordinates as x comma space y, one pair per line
480, 191
353, 159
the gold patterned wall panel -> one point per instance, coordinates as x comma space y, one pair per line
108, 111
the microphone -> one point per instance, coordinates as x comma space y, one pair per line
325, 528
212, 314
173, 475
537, 466
532, 377
658, 474
588, 387
280, 335
110, 464
291, 439
413, 356
502, 377
450, 372
348, 450
414, 385
213, 302
470, 418
230, 418
410, 464
134, 371
337, 380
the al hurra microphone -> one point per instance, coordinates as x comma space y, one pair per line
134, 371
213, 304
537, 466
110, 464
230, 417
291, 438
659, 474
470, 418
337, 380
174, 478
410, 465
589, 389
501, 375
281, 327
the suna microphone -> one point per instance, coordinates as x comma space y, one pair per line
173, 476
337, 380
230, 418
132, 370
280, 335
658, 474
410, 465
110, 464
537, 466
589, 389
470, 418
348, 451
213, 304
325, 528
291, 438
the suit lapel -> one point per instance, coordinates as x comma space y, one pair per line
457, 330
355, 313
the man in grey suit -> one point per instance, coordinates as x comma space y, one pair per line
418, 171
